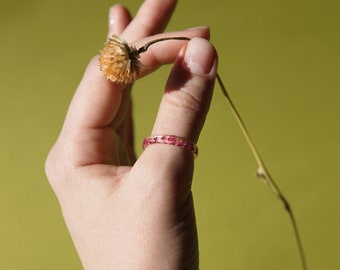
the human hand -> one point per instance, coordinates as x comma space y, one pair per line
141, 216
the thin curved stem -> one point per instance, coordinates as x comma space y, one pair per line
147, 45
264, 174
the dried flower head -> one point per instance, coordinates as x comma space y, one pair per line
118, 61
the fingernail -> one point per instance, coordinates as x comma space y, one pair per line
113, 14
112, 19
199, 56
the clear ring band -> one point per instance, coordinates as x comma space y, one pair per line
172, 140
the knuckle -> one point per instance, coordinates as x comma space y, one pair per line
193, 97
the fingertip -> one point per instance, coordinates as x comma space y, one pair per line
119, 19
200, 56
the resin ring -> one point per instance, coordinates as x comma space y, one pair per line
171, 140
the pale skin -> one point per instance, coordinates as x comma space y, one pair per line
123, 212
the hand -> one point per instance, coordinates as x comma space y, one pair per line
134, 217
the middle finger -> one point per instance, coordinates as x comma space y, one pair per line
152, 17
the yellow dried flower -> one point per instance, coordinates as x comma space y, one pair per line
119, 62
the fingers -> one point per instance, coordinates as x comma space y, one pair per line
152, 17
99, 103
97, 100
187, 97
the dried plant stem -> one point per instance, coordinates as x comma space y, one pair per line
147, 45
263, 173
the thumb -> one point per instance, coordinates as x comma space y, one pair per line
187, 97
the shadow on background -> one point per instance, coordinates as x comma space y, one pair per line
280, 61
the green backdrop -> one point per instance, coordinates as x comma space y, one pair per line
281, 63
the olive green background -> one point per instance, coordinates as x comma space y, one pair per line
281, 63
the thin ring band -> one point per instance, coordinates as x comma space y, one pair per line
172, 140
